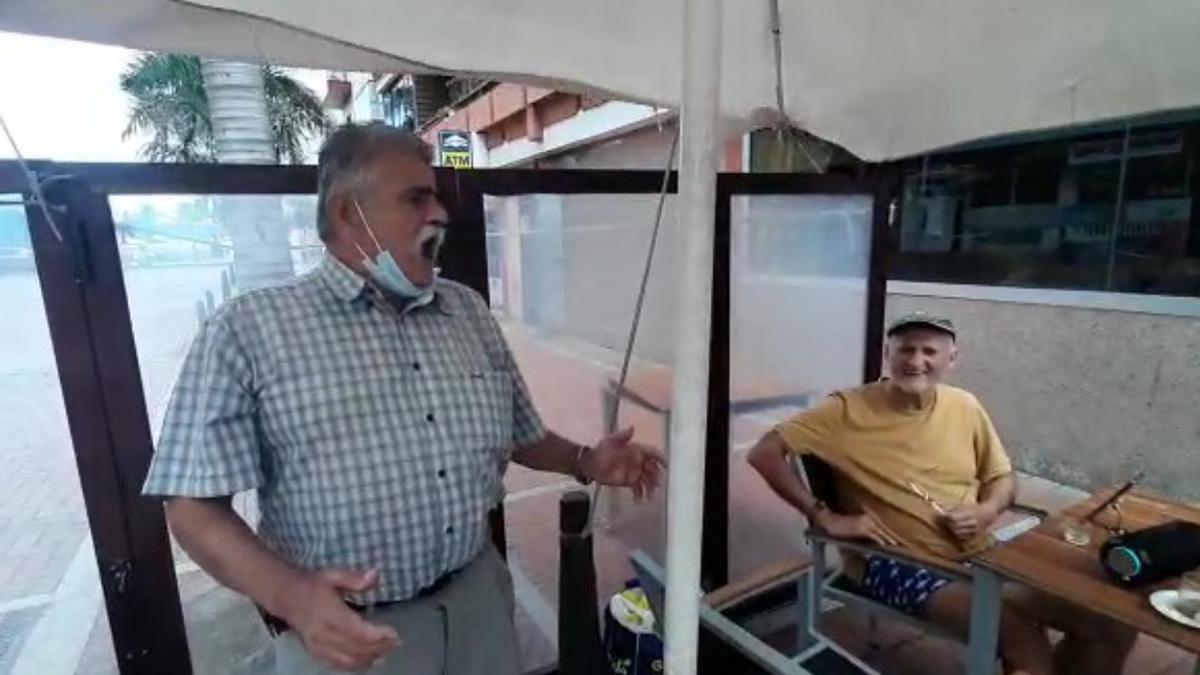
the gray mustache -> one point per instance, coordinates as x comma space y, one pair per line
430, 241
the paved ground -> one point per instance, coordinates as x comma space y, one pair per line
47, 574
43, 524
41, 509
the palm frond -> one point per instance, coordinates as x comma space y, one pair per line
295, 113
168, 104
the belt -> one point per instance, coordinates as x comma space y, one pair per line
277, 626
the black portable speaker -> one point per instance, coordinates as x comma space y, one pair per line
1153, 554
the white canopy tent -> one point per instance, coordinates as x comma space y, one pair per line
882, 79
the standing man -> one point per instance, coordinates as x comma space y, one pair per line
374, 407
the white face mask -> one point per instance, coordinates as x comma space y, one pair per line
384, 268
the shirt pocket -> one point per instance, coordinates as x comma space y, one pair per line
319, 407
476, 408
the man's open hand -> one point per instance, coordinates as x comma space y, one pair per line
331, 631
619, 461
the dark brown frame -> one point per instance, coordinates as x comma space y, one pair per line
85, 299
88, 315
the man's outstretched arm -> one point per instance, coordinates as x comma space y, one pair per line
770, 458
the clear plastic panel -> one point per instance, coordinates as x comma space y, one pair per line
182, 257
565, 271
799, 269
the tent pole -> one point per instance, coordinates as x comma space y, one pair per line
697, 196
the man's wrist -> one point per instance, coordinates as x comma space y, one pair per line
816, 511
988, 513
578, 466
282, 591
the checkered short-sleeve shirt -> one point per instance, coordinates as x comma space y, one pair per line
375, 438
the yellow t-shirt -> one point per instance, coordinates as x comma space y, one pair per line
950, 449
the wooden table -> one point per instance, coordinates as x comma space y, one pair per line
1042, 560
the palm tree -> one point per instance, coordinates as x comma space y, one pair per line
171, 103
208, 110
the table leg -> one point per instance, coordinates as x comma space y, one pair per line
985, 622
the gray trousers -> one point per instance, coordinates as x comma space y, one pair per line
465, 628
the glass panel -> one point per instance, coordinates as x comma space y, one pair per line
183, 255
1042, 215
50, 596
798, 290
565, 271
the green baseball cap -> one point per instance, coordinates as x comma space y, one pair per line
923, 319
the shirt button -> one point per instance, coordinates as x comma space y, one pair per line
416, 366
450, 529
441, 473
429, 417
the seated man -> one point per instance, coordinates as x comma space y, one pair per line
884, 438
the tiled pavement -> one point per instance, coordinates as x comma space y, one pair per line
41, 508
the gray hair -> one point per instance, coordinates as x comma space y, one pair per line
348, 152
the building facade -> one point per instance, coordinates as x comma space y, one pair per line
1071, 259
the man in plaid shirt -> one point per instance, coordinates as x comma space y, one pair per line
374, 407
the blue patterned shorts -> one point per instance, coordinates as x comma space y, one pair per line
900, 586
